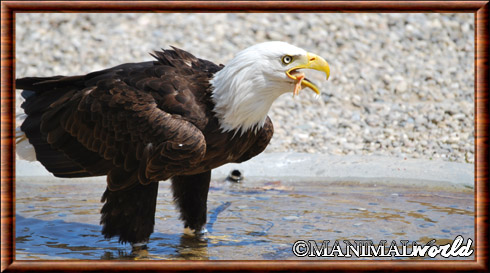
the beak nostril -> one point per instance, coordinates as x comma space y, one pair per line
312, 58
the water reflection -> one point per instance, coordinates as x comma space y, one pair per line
57, 239
250, 220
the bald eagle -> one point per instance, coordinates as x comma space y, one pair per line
177, 117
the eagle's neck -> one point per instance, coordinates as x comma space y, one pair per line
243, 97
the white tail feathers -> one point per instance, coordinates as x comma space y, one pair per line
23, 148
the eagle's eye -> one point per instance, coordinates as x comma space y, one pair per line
287, 59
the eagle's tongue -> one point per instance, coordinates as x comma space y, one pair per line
297, 87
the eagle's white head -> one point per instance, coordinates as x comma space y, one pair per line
244, 90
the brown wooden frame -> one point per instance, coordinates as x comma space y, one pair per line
10, 8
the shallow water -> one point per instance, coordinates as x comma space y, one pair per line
59, 219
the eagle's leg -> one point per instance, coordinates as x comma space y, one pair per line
130, 213
191, 195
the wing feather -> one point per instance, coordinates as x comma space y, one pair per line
136, 122
162, 145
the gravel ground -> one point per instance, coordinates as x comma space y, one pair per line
400, 85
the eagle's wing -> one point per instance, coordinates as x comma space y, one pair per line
264, 136
128, 128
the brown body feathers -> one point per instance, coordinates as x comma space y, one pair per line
137, 123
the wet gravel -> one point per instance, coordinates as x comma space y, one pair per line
256, 220
401, 84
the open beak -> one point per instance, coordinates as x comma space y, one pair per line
314, 62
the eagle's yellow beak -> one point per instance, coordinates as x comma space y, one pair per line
313, 61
